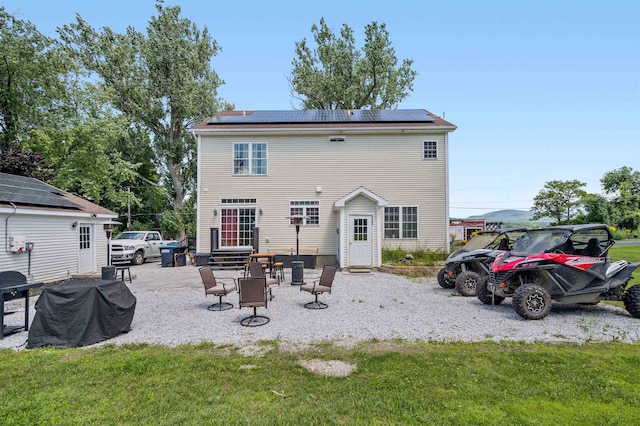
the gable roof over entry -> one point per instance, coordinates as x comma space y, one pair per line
340, 203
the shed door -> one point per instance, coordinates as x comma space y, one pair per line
86, 248
360, 241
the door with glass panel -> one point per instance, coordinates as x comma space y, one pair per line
360, 241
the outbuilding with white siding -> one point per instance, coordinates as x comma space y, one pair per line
48, 234
362, 179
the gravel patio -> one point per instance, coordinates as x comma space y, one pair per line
171, 310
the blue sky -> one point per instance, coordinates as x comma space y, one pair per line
540, 90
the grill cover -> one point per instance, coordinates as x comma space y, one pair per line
80, 313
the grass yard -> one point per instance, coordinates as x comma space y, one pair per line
393, 383
630, 253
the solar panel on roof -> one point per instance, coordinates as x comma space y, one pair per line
28, 191
327, 116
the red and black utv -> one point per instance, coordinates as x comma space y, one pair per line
563, 264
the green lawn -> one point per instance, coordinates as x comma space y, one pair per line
394, 383
630, 253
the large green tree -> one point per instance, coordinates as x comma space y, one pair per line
623, 185
33, 71
160, 81
597, 209
560, 200
336, 75
81, 146
33, 78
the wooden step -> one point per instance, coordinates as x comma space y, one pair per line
359, 270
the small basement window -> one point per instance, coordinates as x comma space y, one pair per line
337, 138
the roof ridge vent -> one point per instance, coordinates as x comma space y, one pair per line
337, 138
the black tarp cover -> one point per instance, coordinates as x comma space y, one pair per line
79, 313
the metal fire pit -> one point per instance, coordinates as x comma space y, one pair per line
14, 285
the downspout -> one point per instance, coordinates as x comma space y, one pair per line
6, 228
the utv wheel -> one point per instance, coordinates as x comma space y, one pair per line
443, 281
484, 295
532, 301
632, 300
467, 282
138, 258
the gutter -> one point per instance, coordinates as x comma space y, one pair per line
322, 130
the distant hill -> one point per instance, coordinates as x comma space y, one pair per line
511, 217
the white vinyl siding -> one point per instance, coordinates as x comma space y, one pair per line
56, 244
308, 167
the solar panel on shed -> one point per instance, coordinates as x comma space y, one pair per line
327, 116
28, 191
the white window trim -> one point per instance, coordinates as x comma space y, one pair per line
424, 142
312, 204
250, 159
400, 230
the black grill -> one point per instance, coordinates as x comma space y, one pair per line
13, 285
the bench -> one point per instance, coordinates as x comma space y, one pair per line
307, 254
228, 258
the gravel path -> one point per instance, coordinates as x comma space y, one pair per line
171, 310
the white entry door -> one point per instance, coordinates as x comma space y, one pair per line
86, 252
360, 241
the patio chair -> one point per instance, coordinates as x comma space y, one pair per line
253, 294
256, 271
217, 287
319, 286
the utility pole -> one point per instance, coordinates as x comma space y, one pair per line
128, 208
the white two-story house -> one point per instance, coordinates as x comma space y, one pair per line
362, 180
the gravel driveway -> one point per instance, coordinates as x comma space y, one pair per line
171, 310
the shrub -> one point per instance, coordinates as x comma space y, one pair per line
623, 234
420, 256
391, 256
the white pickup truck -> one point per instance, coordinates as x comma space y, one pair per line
137, 246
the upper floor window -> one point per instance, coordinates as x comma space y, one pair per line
429, 150
250, 158
310, 209
401, 222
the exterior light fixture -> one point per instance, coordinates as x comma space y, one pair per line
108, 228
